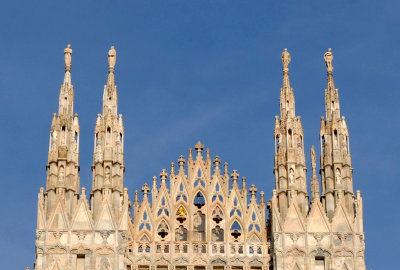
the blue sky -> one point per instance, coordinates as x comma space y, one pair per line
199, 70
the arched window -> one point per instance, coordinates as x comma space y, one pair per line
199, 200
236, 230
277, 144
163, 229
290, 139
335, 138
217, 215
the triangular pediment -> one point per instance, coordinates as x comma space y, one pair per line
82, 219
58, 221
293, 222
340, 220
317, 220
105, 221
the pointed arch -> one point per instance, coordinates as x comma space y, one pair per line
199, 199
217, 215
163, 228
236, 229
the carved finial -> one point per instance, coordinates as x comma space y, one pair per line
181, 162
244, 183
199, 147
190, 158
172, 168
27, 268
154, 182
136, 200
163, 175
83, 192
234, 175
328, 56
262, 197
253, 190
226, 172
145, 189
216, 162
285, 60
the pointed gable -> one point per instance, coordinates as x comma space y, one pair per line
105, 221
81, 220
317, 220
58, 221
340, 220
293, 221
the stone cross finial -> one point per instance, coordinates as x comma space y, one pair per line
67, 56
181, 162
199, 147
145, 189
112, 58
328, 56
163, 175
286, 60
235, 175
253, 190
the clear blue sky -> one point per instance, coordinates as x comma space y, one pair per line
199, 70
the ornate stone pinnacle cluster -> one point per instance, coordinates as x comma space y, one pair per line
199, 217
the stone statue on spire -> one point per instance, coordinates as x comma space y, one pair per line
328, 56
313, 159
67, 56
286, 60
112, 57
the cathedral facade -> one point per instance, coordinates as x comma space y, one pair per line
199, 215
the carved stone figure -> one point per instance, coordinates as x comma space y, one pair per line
67, 56
328, 56
338, 177
291, 176
112, 57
